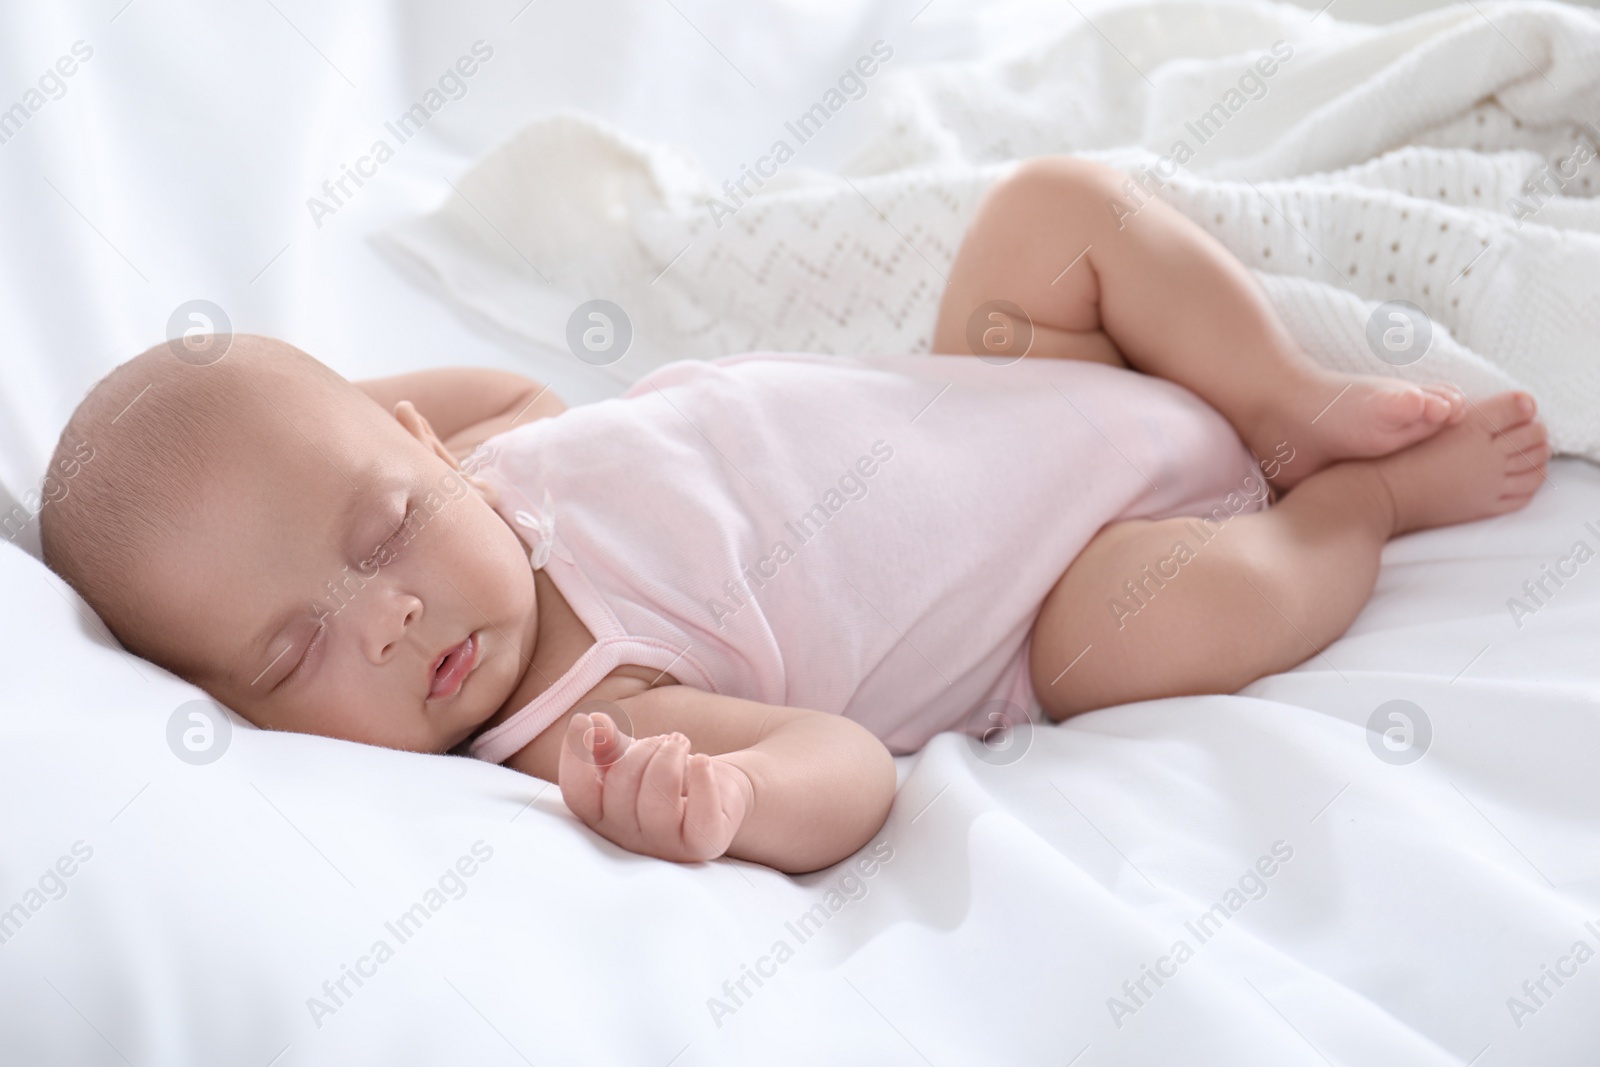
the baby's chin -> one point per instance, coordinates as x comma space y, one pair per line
451, 737
458, 737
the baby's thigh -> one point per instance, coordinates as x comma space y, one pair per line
1137, 616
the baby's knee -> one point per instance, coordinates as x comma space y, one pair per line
1058, 179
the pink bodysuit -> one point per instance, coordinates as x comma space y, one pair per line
866, 537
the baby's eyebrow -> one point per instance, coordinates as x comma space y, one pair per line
375, 488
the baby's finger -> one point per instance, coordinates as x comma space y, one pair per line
661, 795
578, 776
622, 783
605, 743
707, 831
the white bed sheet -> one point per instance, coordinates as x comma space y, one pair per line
1009, 904
217, 900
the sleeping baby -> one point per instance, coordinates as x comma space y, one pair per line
712, 608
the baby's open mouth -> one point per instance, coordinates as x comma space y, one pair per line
453, 667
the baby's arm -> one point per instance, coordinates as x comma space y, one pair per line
466, 405
710, 775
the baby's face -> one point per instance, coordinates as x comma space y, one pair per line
333, 559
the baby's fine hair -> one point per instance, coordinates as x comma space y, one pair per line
153, 427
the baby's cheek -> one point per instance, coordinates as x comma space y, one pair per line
497, 554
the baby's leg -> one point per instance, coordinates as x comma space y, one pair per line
1137, 618
1158, 292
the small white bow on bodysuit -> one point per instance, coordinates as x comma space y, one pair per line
540, 525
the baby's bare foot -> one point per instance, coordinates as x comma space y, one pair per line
1487, 463
1351, 416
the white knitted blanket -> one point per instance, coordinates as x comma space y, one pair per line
1448, 161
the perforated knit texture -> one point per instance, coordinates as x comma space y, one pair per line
1378, 164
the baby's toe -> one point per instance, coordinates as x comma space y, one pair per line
1519, 488
1435, 407
1534, 458
1506, 411
1401, 405
1445, 403
1526, 445
1454, 398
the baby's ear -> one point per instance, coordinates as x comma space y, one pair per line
417, 425
406, 414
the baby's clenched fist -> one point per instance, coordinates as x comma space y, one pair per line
651, 795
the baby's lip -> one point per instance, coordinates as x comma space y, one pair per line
451, 667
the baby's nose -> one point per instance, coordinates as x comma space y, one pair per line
392, 625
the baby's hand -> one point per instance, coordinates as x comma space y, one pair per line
651, 795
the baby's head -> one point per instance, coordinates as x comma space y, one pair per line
260, 527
